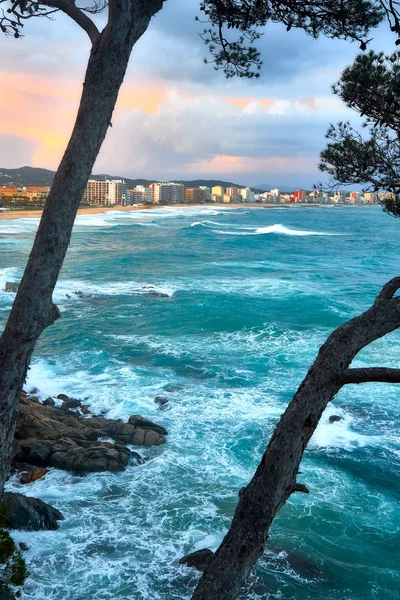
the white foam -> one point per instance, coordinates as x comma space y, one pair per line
340, 434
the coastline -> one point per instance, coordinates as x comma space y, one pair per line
95, 210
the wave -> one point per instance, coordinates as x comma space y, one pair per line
79, 289
205, 223
277, 228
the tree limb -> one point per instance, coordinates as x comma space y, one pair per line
389, 290
275, 478
370, 375
85, 22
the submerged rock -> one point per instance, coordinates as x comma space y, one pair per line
198, 560
158, 295
161, 401
334, 418
29, 514
173, 388
12, 286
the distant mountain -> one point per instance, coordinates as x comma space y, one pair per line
35, 176
26, 176
265, 187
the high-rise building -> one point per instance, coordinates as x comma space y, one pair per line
247, 195
168, 193
207, 191
218, 190
300, 196
107, 192
234, 194
141, 194
195, 195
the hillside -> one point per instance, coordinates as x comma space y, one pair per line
36, 176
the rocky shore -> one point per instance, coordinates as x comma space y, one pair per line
63, 433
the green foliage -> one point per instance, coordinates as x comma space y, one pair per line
371, 87
236, 54
348, 19
12, 565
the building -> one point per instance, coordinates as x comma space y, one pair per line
218, 190
107, 192
300, 196
141, 194
247, 194
233, 192
36, 193
7, 192
207, 191
226, 199
370, 198
195, 195
168, 193
339, 197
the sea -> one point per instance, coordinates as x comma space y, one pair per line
244, 299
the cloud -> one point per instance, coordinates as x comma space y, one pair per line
190, 136
176, 117
14, 148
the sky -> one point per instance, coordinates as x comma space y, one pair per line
176, 117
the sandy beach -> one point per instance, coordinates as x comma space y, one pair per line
95, 210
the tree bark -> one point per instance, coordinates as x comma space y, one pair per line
33, 309
275, 478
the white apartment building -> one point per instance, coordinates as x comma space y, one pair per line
247, 194
142, 194
168, 193
107, 192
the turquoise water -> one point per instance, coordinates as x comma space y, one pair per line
254, 293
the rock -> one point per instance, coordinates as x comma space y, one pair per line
29, 514
161, 401
12, 286
23, 547
33, 475
173, 388
138, 431
49, 436
139, 421
6, 593
68, 455
198, 560
63, 397
85, 409
158, 295
71, 403
334, 418
49, 402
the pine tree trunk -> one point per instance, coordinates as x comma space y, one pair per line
33, 309
276, 476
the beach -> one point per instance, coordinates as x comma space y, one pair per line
95, 210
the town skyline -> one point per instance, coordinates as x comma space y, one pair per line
175, 117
